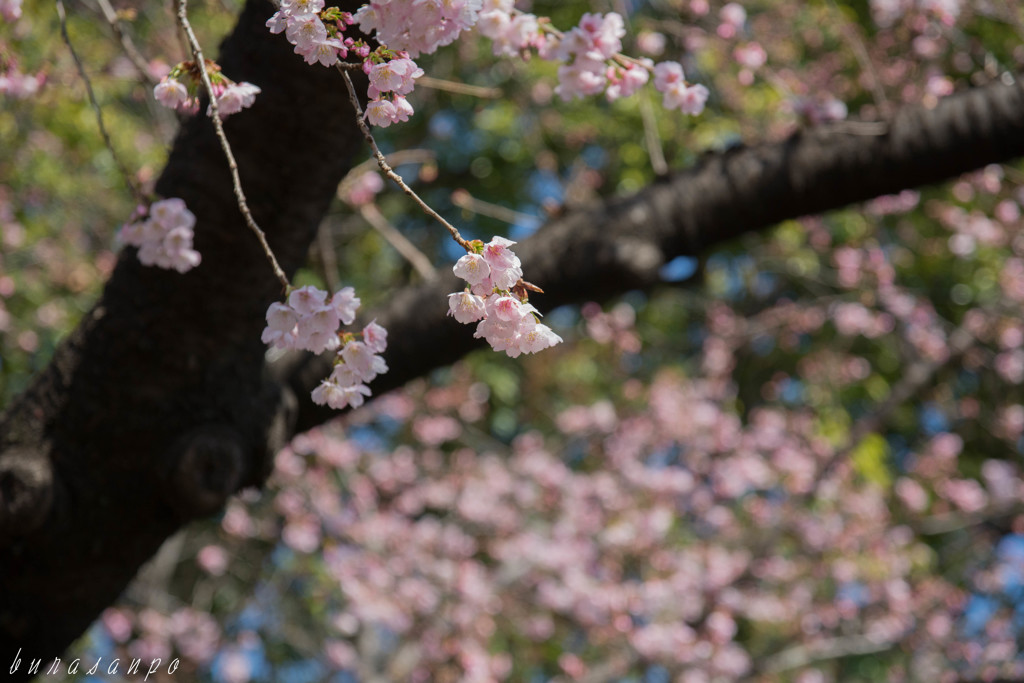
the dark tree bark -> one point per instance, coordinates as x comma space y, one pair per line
159, 406
156, 409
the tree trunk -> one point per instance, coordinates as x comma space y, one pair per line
157, 409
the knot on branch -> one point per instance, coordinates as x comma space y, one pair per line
26, 491
207, 466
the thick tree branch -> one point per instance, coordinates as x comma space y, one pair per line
597, 252
156, 409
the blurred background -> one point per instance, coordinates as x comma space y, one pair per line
797, 459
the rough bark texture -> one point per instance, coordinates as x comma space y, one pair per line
158, 407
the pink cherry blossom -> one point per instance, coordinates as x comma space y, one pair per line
473, 268
396, 75
498, 255
172, 213
466, 307
170, 93
281, 330
381, 112
403, 110
507, 323
18, 85
506, 308
235, 98
326, 51
417, 27
363, 189
10, 9
346, 303
164, 237
375, 337
338, 397
668, 74
307, 300
626, 82
306, 33
362, 360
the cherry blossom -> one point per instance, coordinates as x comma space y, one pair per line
508, 323
235, 98
589, 53
417, 27
309, 321
171, 93
669, 79
10, 10
16, 84
163, 235
396, 75
346, 303
361, 190
179, 89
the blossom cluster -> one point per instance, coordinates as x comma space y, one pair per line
316, 34
429, 540
20, 85
164, 235
496, 298
416, 26
888, 12
13, 82
309, 321
591, 56
10, 10
589, 53
180, 90
390, 81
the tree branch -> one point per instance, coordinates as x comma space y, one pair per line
597, 252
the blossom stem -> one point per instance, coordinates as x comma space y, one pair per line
140, 196
218, 127
390, 172
137, 60
396, 239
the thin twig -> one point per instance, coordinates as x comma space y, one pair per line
860, 52
179, 35
835, 648
459, 88
402, 156
464, 200
126, 42
140, 197
161, 114
218, 126
390, 172
955, 521
651, 137
397, 240
325, 245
